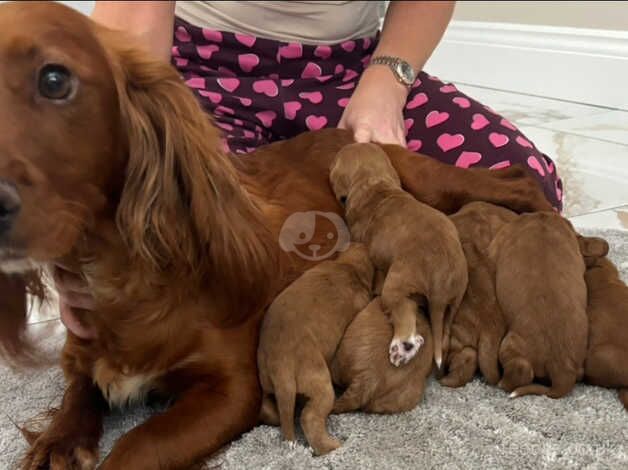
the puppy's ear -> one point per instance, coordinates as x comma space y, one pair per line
15, 348
182, 207
592, 248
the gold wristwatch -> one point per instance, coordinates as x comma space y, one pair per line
402, 70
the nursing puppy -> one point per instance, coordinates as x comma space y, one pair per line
478, 327
361, 364
300, 334
607, 353
540, 286
416, 245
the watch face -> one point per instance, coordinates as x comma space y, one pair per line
406, 73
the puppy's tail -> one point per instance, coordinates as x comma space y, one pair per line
623, 397
438, 316
286, 395
561, 386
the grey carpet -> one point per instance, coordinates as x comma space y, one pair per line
470, 428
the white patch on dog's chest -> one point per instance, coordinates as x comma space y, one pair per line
121, 387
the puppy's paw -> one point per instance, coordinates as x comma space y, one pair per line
401, 351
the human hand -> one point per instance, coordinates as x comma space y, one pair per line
375, 111
73, 293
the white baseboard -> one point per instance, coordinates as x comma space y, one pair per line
583, 65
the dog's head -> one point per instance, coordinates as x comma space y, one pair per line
59, 131
363, 163
93, 128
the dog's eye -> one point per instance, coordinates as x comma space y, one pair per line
55, 82
343, 200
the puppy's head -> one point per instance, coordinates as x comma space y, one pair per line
592, 249
363, 164
59, 125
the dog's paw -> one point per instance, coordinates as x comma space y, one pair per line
401, 351
59, 456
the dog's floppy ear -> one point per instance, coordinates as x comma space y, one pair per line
182, 208
15, 348
592, 248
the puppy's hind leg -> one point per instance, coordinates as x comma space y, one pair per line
403, 313
355, 396
318, 389
462, 368
517, 370
269, 414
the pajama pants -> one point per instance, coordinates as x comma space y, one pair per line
261, 90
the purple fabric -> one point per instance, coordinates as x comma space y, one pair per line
261, 90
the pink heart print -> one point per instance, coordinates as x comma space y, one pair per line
535, 164
266, 117
448, 142
366, 43
559, 192
346, 86
245, 101
523, 142
434, 118
324, 78
414, 145
466, 159
182, 34
290, 109
419, 100
181, 62
225, 126
287, 82
349, 75
462, 102
248, 62
314, 97
498, 140
245, 39
291, 51
479, 122
339, 69
206, 52
211, 35
315, 123
266, 87
224, 110
348, 46
229, 84
311, 70
248, 134
506, 123
324, 52
500, 165
211, 95
343, 102
195, 82
448, 89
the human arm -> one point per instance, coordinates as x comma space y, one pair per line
151, 22
411, 31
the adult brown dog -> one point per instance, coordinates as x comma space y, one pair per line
109, 165
608, 328
539, 284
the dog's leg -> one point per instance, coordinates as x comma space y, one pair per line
269, 413
320, 394
517, 370
71, 439
206, 416
403, 313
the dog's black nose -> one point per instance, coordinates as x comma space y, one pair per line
10, 204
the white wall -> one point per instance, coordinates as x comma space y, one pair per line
584, 14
